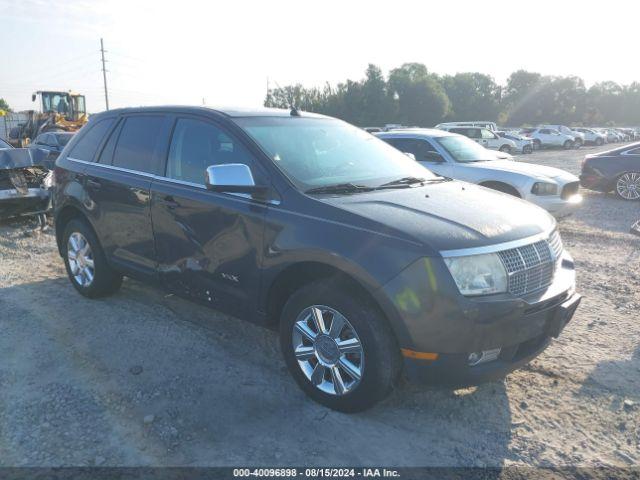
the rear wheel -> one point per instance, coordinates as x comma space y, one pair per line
599, 142
338, 347
505, 148
85, 262
527, 149
568, 144
578, 143
628, 186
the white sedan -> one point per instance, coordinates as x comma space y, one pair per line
456, 156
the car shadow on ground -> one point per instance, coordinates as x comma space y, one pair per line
142, 378
618, 379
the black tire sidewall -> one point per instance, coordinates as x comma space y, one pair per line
381, 354
105, 281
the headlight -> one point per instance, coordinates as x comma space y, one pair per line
478, 274
543, 188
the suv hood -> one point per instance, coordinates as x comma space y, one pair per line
540, 172
448, 215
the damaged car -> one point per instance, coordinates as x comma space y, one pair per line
25, 182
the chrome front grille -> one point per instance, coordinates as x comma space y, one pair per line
531, 267
555, 243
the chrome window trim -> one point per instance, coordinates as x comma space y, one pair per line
244, 196
498, 247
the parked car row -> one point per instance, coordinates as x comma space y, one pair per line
369, 265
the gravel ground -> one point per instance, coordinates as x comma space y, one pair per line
142, 378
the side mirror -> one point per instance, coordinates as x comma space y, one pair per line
433, 157
232, 178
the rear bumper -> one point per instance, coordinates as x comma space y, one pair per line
453, 369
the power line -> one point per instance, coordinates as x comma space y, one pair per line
104, 75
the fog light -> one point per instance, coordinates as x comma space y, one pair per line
484, 356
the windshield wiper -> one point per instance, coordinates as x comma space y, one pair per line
403, 182
340, 188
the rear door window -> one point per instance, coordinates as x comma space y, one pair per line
138, 143
88, 144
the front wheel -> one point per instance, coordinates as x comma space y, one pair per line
527, 149
628, 186
537, 144
338, 347
85, 262
578, 143
568, 145
599, 142
505, 149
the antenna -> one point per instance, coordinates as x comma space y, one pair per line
292, 107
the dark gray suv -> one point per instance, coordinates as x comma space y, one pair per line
367, 263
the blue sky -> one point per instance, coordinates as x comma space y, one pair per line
223, 52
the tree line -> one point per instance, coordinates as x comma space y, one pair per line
412, 95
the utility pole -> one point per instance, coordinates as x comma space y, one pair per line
104, 75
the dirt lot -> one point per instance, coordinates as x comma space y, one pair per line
146, 379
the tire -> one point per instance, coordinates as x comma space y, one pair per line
627, 186
599, 142
378, 359
578, 143
505, 149
527, 149
567, 145
537, 144
103, 280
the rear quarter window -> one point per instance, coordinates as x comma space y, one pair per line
89, 142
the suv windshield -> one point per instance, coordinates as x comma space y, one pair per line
464, 150
318, 152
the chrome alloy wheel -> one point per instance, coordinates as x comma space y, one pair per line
628, 186
328, 350
80, 259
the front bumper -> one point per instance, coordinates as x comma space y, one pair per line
555, 204
454, 370
595, 182
430, 316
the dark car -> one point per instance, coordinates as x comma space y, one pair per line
365, 261
52, 142
615, 170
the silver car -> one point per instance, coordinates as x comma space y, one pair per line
456, 156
